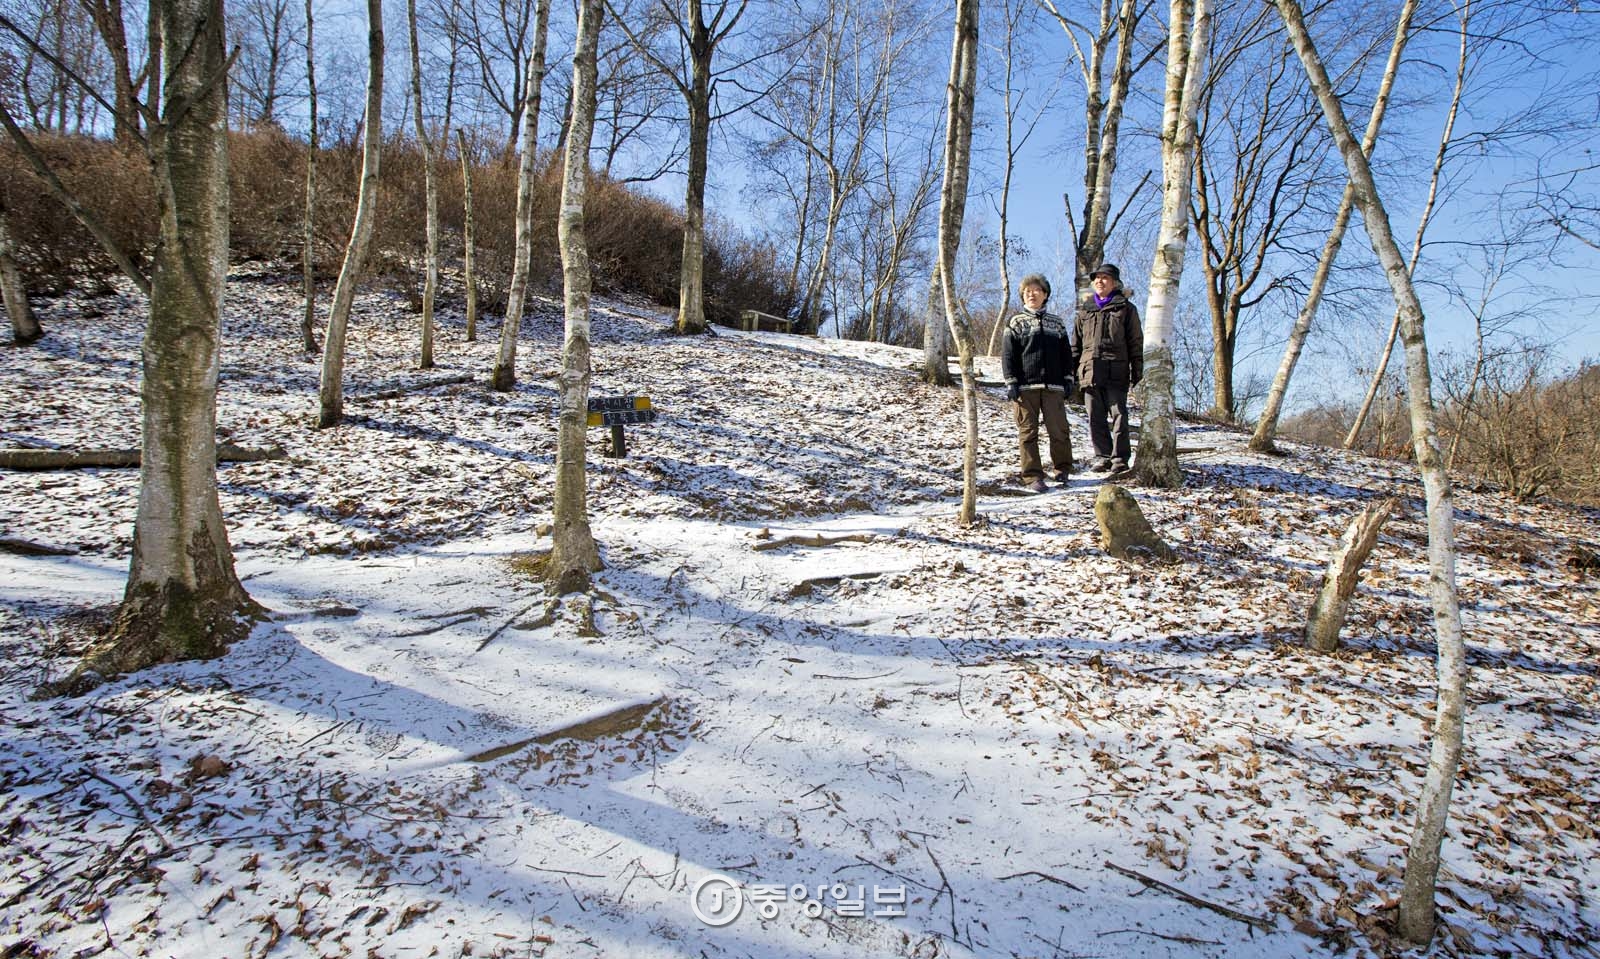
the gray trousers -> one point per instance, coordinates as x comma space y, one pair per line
1110, 440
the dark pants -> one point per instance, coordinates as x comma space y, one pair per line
1049, 405
1110, 441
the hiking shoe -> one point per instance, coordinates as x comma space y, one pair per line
1101, 464
1118, 468
1038, 486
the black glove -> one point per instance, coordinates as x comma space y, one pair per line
1013, 392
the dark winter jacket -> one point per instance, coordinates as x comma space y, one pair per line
1038, 351
1110, 343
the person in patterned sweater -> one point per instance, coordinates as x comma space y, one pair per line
1037, 361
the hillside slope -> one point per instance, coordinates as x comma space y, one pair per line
996, 731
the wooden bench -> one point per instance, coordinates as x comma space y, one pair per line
753, 320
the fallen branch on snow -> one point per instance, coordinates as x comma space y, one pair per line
1192, 899
87, 459
400, 391
816, 539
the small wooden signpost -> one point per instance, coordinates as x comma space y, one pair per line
616, 412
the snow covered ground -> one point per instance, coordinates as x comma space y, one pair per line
959, 742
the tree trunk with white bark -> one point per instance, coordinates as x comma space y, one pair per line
430, 187
469, 240
573, 555
308, 235
504, 377
1262, 440
1417, 914
25, 327
331, 397
1189, 33
183, 599
961, 93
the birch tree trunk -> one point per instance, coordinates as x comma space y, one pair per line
1102, 125
573, 555
1266, 431
308, 235
355, 254
952, 207
936, 334
504, 377
430, 276
1463, 49
469, 239
183, 599
25, 327
1189, 32
1416, 918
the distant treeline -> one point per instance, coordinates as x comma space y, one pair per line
635, 241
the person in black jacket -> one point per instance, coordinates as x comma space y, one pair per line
1037, 361
1110, 362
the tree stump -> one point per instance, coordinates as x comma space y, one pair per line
1124, 532
1343, 574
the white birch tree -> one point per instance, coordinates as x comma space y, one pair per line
183, 599
1417, 914
430, 267
959, 99
573, 554
504, 377
25, 327
331, 395
1188, 35
1262, 440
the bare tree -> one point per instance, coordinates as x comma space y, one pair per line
1262, 440
469, 238
430, 280
183, 599
1014, 20
107, 17
634, 101
504, 377
1103, 109
1416, 917
698, 40
1188, 36
1256, 162
308, 233
962, 92
1463, 59
331, 397
573, 555
267, 37
496, 33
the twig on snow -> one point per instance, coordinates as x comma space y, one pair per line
1190, 898
1042, 875
544, 620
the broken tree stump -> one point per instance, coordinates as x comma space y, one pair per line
1124, 532
1343, 574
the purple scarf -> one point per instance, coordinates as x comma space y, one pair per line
1100, 304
